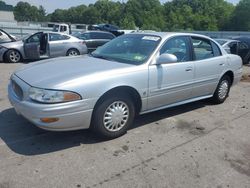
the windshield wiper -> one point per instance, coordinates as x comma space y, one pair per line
102, 57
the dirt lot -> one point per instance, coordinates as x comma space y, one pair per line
195, 145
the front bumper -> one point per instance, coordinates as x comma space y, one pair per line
72, 115
2, 51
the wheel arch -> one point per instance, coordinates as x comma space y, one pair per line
230, 74
5, 53
128, 91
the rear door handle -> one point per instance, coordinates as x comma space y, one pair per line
222, 64
188, 69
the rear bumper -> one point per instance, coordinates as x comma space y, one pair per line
84, 50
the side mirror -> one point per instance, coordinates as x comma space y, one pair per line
166, 58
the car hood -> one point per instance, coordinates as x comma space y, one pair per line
12, 44
53, 73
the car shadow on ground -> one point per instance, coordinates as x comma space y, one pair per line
24, 138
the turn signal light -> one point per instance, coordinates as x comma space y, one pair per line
49, 120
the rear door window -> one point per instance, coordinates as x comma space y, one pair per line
57, 37
203, 48
106, 36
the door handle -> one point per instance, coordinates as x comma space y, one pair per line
222, 64
188, 69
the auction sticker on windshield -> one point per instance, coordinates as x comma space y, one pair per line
153, 38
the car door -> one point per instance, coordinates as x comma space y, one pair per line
232, 47
209, 65
58, 43
171, 83
244, 51
32, 46
88, 40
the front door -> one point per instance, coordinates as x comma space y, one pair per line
32, 46
172, 83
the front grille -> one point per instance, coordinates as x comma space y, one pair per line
17, 90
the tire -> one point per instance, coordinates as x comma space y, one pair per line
13, 56
113, 116
222, 90
73, 52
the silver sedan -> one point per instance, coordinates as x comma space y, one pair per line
132, 74
42, 45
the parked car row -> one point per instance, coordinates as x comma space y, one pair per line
50, 44
42, 45
239, 46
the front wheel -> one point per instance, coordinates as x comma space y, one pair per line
13, 56
113, 116
222, 90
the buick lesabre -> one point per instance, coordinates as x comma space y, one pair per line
131, 75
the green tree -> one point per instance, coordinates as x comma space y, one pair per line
128, 23
241, 17
197, 14
147, 14
23, 11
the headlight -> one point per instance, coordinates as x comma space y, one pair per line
52, 96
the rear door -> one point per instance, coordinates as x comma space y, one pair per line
58, 44
171, 83
32, 46
209, 65
96, 40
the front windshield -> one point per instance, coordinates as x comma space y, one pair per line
132, 49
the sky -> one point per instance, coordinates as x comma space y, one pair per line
51, 5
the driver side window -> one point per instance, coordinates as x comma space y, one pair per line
178, 46
34, 38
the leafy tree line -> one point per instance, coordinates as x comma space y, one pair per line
175, 15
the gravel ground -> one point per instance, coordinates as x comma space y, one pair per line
194, 145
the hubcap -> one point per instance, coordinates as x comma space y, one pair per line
15, 56
116, 116
223, 89
73, 53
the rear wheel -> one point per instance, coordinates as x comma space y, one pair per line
113, 116
73, 52
13, 56
222, 90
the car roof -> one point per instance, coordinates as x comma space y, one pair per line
51, 32
244, 39
227, 40
96, 31
164, 35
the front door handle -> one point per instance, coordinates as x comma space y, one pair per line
222, 64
